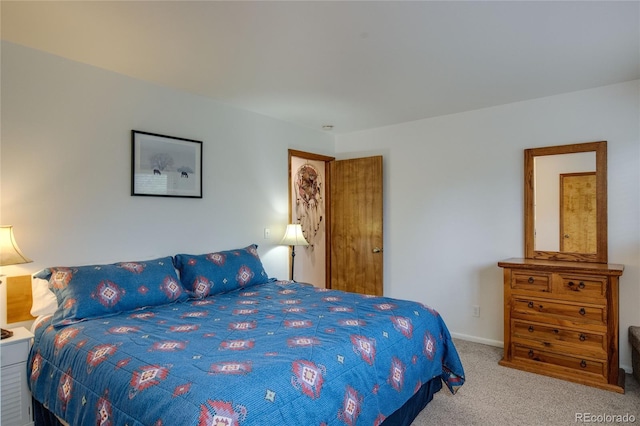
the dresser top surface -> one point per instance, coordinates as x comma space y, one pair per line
556, 265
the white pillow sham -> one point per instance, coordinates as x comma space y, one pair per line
44, 301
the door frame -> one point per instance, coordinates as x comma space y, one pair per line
327, 194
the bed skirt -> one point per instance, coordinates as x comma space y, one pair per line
42, 416
401, 417
410, 410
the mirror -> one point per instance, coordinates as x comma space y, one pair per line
566, 202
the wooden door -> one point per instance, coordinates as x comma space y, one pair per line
356, 225
578, 213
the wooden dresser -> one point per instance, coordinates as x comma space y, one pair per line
561, 320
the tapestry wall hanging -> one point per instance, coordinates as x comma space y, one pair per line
309, 202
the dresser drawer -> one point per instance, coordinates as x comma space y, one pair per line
576, 342
583, 286
531, 281
569, 364
541, 310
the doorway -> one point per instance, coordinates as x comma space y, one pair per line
348, 223
309, 206
578, 212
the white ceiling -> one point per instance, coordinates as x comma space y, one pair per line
353, 64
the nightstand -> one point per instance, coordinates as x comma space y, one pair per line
15, 395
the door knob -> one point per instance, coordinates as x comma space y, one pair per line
377, 250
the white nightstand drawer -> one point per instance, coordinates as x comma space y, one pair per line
13, 353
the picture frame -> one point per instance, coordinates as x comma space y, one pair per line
165, 166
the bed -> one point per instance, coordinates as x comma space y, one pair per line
211, 340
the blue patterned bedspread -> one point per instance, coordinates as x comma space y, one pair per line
273, 354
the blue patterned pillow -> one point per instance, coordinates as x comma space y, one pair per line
98, 290
206, 274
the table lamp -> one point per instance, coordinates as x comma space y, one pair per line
293, 237
10, 254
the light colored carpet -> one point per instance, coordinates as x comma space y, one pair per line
496, 395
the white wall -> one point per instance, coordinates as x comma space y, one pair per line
453, 184
66, 168
454, 199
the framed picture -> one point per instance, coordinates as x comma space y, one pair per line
165, 166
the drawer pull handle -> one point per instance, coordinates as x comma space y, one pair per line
582, 311
582, 337
531, 280
583, 363
530, 329
530, 304
531, 353
580, 286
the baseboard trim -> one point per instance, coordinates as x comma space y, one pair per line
475, 339
499, 344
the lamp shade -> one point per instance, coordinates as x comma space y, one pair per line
293, 236
10, 253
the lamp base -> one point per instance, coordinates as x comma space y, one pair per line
6, 333
293, 259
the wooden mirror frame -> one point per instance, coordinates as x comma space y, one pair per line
600, 256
